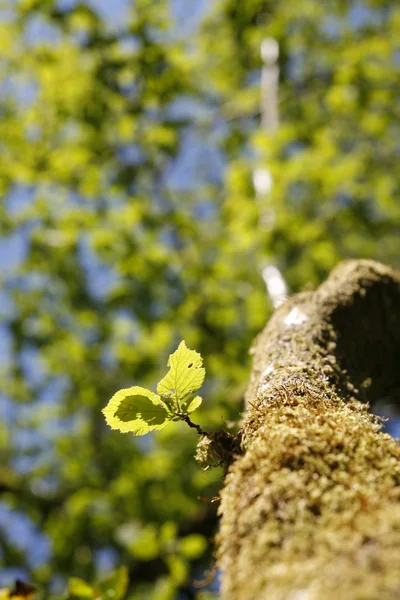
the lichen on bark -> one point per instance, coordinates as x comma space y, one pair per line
311, 509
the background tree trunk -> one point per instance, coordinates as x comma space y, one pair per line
311, 510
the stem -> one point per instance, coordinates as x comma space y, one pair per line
199, 430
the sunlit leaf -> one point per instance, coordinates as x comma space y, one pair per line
136, 410
185, 374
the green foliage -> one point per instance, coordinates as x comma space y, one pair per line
113, 587
111, 135
140, 411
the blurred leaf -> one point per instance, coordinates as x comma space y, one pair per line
146, 545
77, 588
178, 569
115, 585
193, 546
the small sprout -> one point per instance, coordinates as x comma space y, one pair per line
139, 411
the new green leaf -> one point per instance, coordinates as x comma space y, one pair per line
195, 403
185, 374
136, 410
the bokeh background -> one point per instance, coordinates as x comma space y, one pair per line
130, 133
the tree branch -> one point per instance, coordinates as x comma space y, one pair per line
313, 505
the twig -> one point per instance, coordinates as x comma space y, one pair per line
199, 430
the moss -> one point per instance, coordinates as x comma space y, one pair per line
311, 509
218, 449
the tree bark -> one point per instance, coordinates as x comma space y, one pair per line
311, 510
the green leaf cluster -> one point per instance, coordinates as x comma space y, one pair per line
140, 411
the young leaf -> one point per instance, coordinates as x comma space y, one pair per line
185, 374
136, 410
195, 403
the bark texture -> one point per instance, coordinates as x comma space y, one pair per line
311, 510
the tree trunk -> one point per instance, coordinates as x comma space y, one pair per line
311, 510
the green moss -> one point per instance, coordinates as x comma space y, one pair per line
218, 449
312, 508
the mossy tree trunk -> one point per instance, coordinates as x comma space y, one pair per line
311, 510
